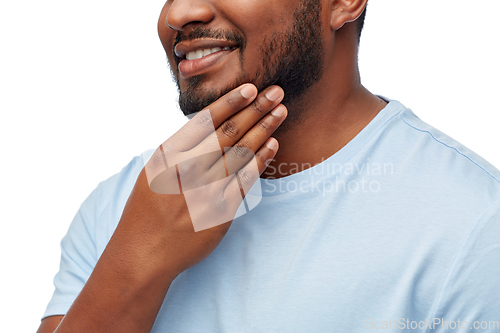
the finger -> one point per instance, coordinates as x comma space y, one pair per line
183, 176
243, 151
210, 118
231, 131
241, 184
224, 196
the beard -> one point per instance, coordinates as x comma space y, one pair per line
291, 59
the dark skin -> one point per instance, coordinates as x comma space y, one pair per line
155, 240
336, 107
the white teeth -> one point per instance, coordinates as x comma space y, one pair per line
198, 54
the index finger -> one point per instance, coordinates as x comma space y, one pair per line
209, 119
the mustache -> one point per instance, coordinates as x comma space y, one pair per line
198, 32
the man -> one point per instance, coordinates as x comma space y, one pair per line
369, 218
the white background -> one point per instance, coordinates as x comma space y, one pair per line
84, 87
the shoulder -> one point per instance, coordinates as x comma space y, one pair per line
445, 143
442, 159
116, 184
89, 233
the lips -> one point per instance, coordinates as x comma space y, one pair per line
199, 56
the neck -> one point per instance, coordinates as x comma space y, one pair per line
323, 121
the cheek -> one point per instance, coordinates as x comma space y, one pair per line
253, 17
260, 20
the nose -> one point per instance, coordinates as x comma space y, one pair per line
183, 13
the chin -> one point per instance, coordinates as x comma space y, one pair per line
203, 90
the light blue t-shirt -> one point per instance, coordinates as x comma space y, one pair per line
397, 230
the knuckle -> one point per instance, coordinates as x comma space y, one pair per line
264, 159
264, 125
244, 177
230, 102
242, 149
229, 129
257, 106
261, 158
204, 120
203, 188
188, 169
169, 146
158, 157
220, 202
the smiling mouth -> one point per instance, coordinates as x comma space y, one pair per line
201, 53
198, 59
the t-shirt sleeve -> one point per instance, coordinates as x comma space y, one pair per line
89, 233
471, 293
78, 257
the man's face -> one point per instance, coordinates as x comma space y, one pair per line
214, 46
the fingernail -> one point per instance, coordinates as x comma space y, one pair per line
274, 94
271, 143
248, 91
279, 111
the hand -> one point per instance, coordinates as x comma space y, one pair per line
195, 185
199, 177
